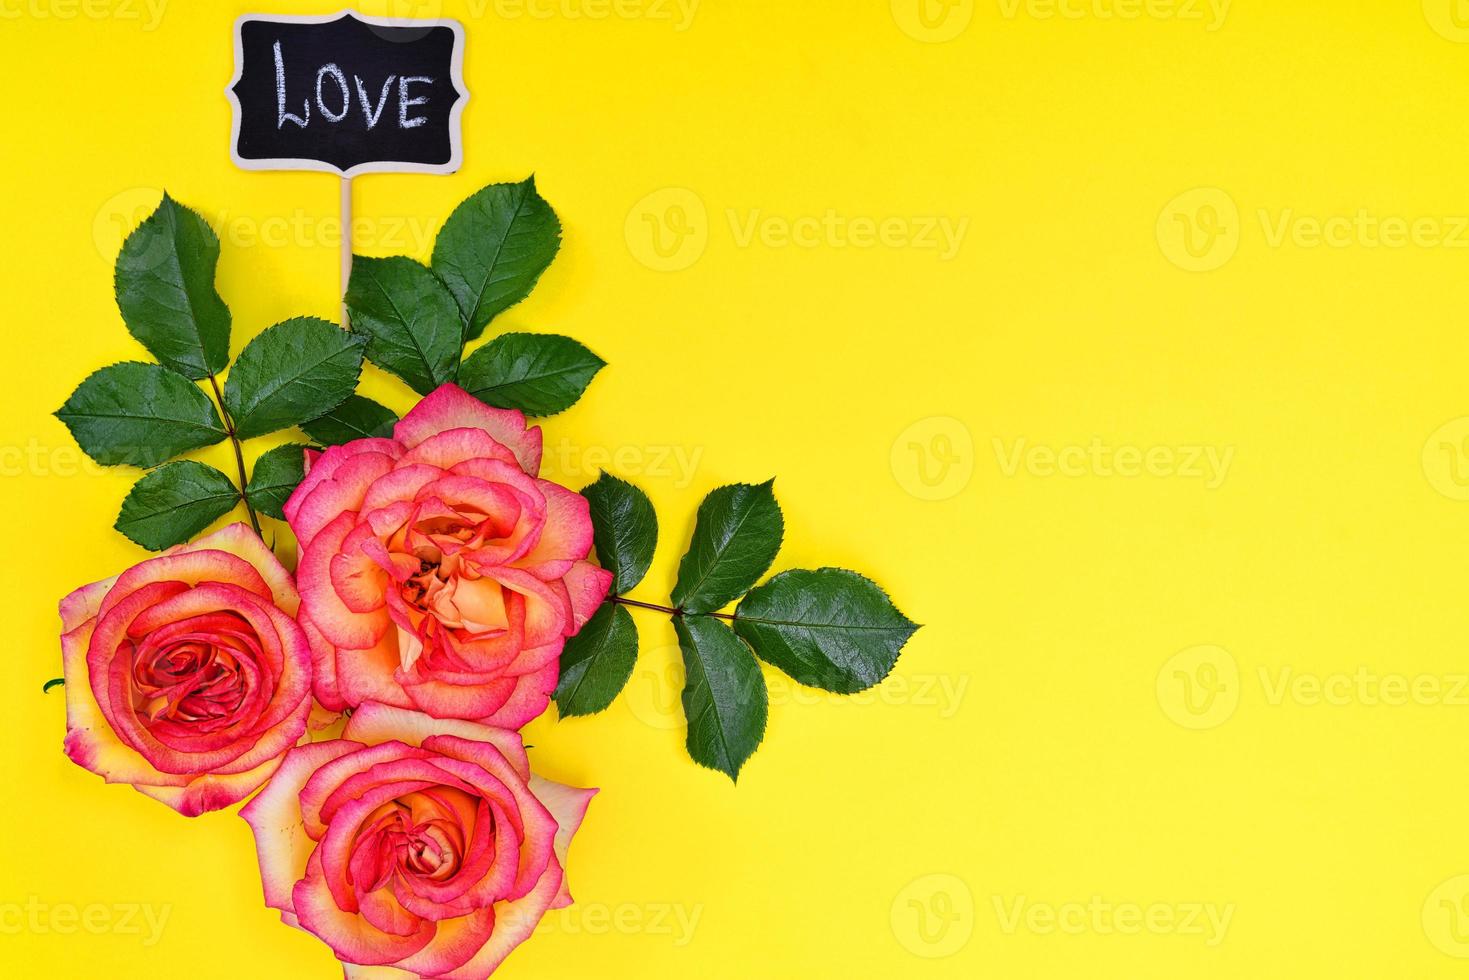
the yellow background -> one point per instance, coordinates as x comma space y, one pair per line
1047, 741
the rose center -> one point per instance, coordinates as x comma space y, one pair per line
417, 836
196, 671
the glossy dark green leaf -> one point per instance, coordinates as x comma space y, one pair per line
828, 628
276, 474
624, 529
737, 533
493, 248
140, 414
164, 282
409, 318
597, 661
355, 418
297, 370
175, 502
724, 694
538, 373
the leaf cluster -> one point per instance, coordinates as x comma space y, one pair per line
417, 319
146, 414
827, 628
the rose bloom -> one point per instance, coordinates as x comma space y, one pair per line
437, 572
416, 843
186, 675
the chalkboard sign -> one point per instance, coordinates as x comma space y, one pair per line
347, 93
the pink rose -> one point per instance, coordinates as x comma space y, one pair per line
415, 843
186, 675
437, 572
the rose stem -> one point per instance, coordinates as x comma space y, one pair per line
625, 601
229, 427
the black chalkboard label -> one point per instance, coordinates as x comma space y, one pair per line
347, 93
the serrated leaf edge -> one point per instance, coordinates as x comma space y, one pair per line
780, 541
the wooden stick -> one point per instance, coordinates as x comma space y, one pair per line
346, 237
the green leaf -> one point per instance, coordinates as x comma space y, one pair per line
297, 370
828, 628
140, 414
624, 530
164, 283
355, 418
493, 248
275, 475
53, 682
174, 502
409, 318
736, 535
597, 661
724, 695
538, 373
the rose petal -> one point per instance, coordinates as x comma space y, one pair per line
455, 942
451, 407
324, 466
211, 792
350, 936
344, 491
514, 923
274, 817
372, 674
338, 624
531, 697
587, 585
90, 741
82, 605
568, 805
373, 722
323, 666
237, 539
567, 533
456, 445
